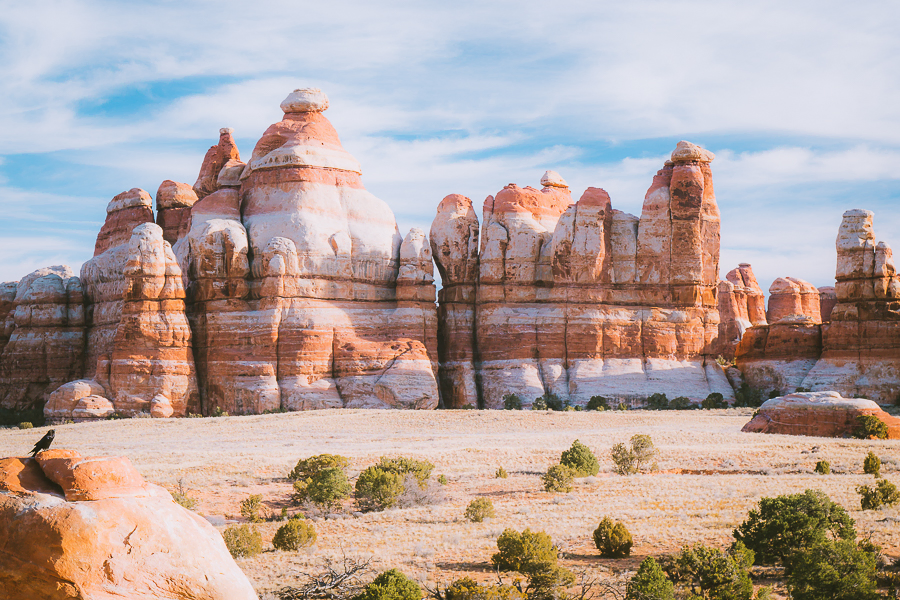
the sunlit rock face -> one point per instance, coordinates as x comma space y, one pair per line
742, 305
846, 338
578, 299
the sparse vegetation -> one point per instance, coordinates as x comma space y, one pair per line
657, 401
597, 403
870, 427
714, 400
622, 406
180, 497
512, 402
682, 403
547, 402
250, 508
243, 540
442, 479
649, 583
391, 585
558, 478
580, 459
612, 539
883, 493
9, 417
823, 467
501, 473
780, 527
377, 489
480, 509
872, 465
633, 459
297, 533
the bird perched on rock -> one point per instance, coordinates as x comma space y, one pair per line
44, 442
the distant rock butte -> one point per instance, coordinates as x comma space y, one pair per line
91, 527
281, 283
824, 414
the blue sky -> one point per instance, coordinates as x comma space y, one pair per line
800, 102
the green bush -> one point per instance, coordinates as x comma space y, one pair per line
782, 526
512, 402
325, 489
469, 589
242, 540
649, 583
501, 473
401, 465
25, 425
308, 467
658, 402
714, 400
870, 426
558, 478
580, 458
682, 403
295, 534
712, 574
527, 552
480, 509
547, 402
872, 465
597, 403
391, 585
745, 396
823, 467
622, 406
612, 539
833, 570
377, 489
883, 493
443, 479
633, 459
250, 508
185, 501
539, 404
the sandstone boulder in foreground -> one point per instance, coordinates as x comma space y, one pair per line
823, 414
91, 528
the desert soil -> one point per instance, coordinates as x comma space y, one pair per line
710, 474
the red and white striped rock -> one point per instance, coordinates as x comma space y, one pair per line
173, 209
791, 298
822, 414
217, 157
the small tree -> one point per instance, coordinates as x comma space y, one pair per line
872, 465
308, 467
580, 458
823, 467
612, 539
597, 403
649, 583
480, 509
242, 540
533, 555
713, 574
401, 465
658, 401
325, 489
782, 526
870, 426
391, 585
714, 400
883, 493
833, 569
512, 402
377, 489
682, 403
631, 460
558, 478
547, 402
295, 534
250, 508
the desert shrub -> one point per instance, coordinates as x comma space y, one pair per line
480, 509
442, 479
833, 570
745, 396
219, 412
547, 402
714, 400
308, 467
631, 460
872, 464
468, 406
682, 403
622, 406
580, 458
649, 583
525, 552
391, 585
414, 494
612, 539
658, 402
870, 426
469, 589
501, 473
25, 425
295, 534
883, 493
401, 465
713, 574
324, 489
781, 526
512, 402
242, 540
185, 501
823, 467
250, 508
539, 404
13, 418
377, 489
558, 478
597, 403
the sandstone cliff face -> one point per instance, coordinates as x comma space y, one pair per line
856, 352
73, 527
581, 299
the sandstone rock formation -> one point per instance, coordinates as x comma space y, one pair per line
856, 352
580, 299
73, 527
824, 414
173, 209
741, 305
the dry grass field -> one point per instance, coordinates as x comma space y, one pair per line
710, 474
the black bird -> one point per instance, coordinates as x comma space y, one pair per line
44, 442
